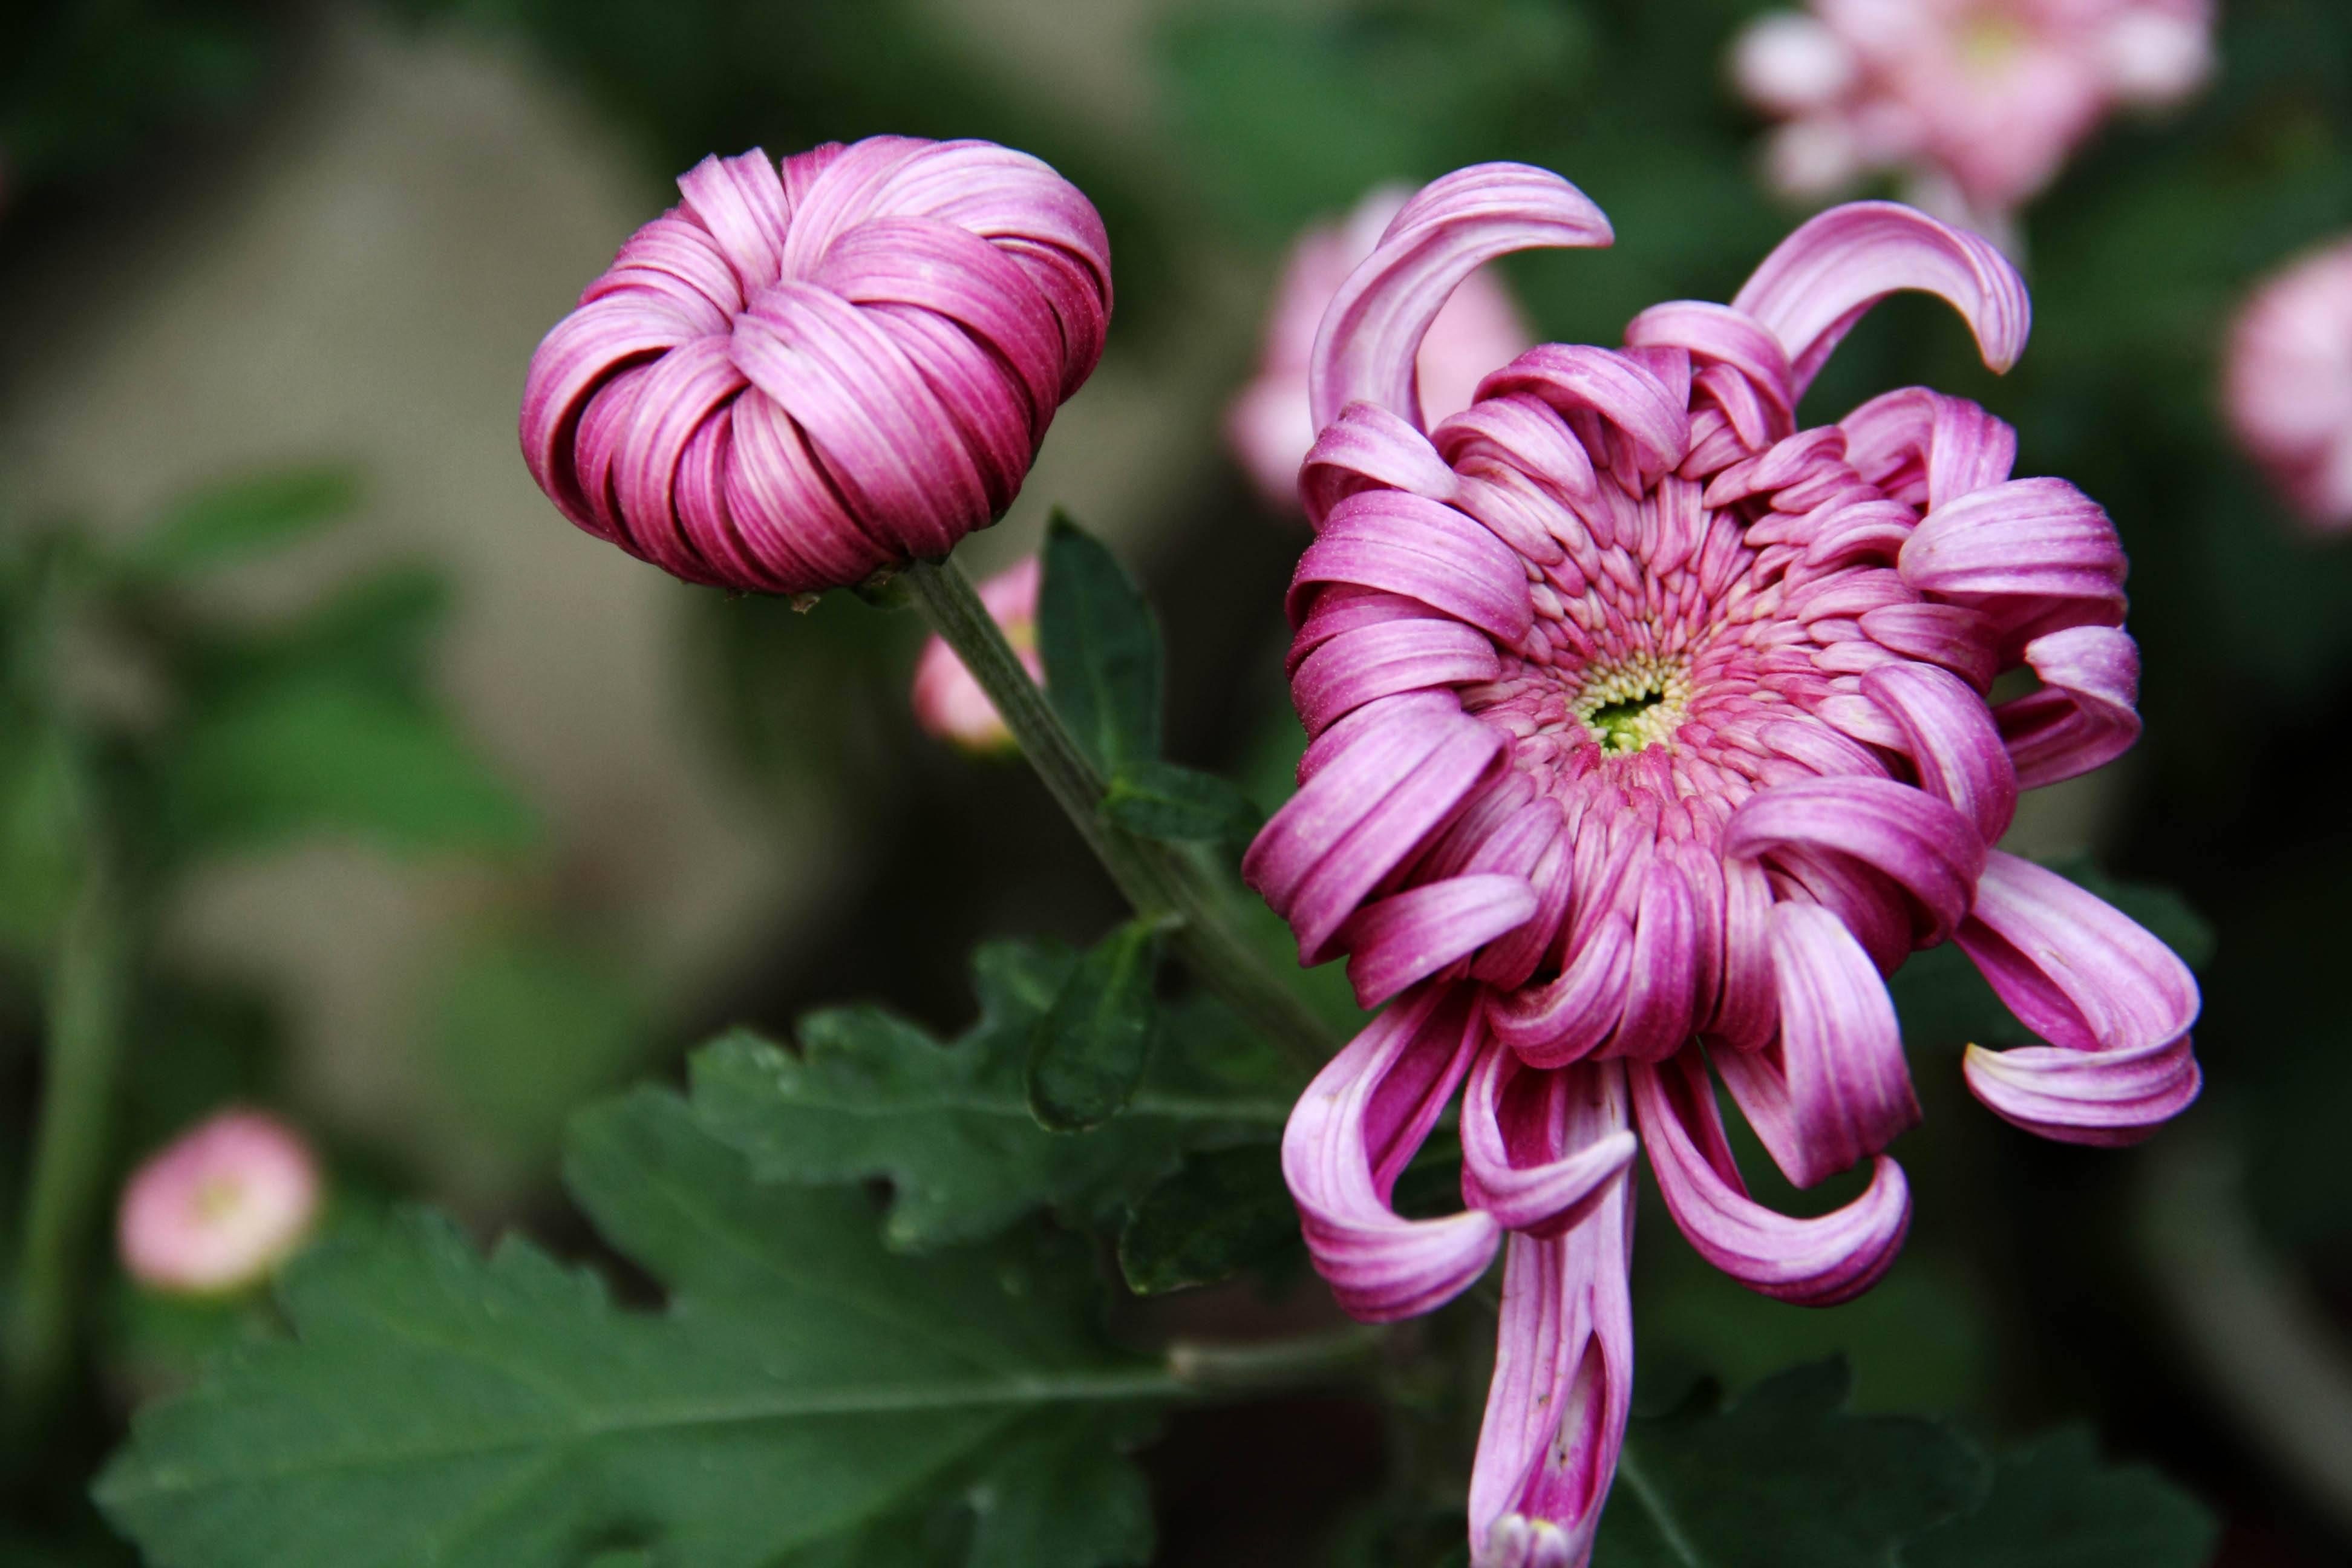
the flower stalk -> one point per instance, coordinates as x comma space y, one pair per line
1157, 881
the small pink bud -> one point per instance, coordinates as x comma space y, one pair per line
949, 703
220, 1207
2287, 385
1270, 427
802, 375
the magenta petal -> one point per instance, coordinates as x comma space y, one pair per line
1373, 330
2038, 556
1350, 1135
1621, 389
1809, 1262
2084, 716
1952, 739
1423, 550
1840, 1090
2115, 1003
1407, 937
1386, 658
1818, 283
1369, 448
1928, 448
1923, 845
1539, 1149
1554, 1024
1562, 1388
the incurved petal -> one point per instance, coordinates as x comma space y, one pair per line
1562, 1388
1354, 1130
1957, 637
1373, 330
1813, 1262
1425, 550
1920, 843
1952, 740
1390, 657
1926, 448
1618, 387
1818, 283
2087, 714
1407, 937
1370, 446
1726, 336
1540, 1148
1553, 1025
2037, 555
1839, 1089
2114, 1003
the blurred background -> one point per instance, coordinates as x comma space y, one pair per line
467, 817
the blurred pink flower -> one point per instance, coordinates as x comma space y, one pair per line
220, 1207
947, 701
1648, 733
1978, 101
2288, 383
1268, 426
795, 379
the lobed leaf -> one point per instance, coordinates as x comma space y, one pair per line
807, 1396
870, 1095
2053, 1505
1225, 1211
1087, 1054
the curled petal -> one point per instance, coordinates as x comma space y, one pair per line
1354, 1130
2115, 1003
1821, 279
1539, 1149
1726, 336
1368, 662
1952, 635
1618, 387
1808, 1262
1423, 550
1926, 448
1407, 937
2087, 714
1373, 330
1839, 1089
1554, 1024
1952, 740
1748, 1011
1923, 845
1369, 446
2038, 556
1562, 1388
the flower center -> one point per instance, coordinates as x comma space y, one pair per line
1989, 42
1634, 703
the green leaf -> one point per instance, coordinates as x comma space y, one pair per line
241, 519
1087, 1054
1784, 1476
870, 1095
309, 754
1172, 804
2054, 1505
1101, 647
805, 1398
1225, 1211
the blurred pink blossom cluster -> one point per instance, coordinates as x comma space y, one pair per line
1269, 425
1976, 103
220, 1207
2288, 383
948, 701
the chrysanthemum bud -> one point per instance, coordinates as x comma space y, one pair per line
799, 376
947, 701
217, 1209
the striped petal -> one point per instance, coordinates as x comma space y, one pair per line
1352, 1134
1373, 330
2087, 714
1407, 937
1816, 1262
2114, 1003
1950, 737
1921, 844
1539, 1149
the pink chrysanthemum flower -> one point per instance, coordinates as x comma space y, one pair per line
2288, 383
220, 1207
1268, 426
1981, 101
1648, 735
797, 377
947, 701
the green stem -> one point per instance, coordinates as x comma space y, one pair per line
1335, 1356
1159, 882
87, 985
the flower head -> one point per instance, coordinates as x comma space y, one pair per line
801, 375
947, 701
2288, 383
1268, 426
219, 1207
1981, 101
1649, 733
